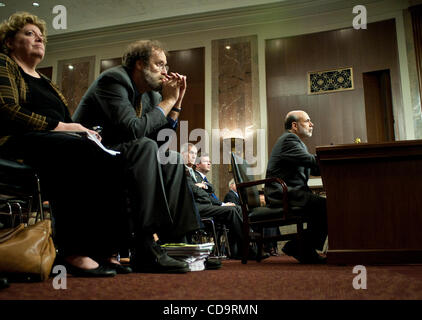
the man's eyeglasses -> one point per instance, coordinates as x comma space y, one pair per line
162, 67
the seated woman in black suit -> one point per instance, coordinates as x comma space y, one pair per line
78, 178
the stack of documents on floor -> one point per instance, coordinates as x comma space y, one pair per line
194, 254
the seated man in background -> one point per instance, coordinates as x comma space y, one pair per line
126, 102
201, 169
232, 195
291, 161
208, 206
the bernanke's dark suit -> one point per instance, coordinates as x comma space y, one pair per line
291, 161
159, 193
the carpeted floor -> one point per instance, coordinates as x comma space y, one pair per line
276, 278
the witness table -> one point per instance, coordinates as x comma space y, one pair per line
374, 202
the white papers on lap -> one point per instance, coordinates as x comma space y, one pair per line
91, 137
98, 142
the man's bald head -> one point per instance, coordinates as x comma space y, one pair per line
299, 123
292, 116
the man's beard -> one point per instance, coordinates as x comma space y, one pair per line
153, 82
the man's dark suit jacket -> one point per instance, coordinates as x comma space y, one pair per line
290, 161
210, 190
202, 198
232, 197
112, 102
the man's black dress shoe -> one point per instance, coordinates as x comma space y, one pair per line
310, 256
154, 259
4, 283
264, 256
100, 271
119, 268
212, 263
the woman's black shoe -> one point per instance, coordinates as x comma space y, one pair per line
100, 271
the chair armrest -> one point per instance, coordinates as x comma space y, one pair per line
268, 180
262, 181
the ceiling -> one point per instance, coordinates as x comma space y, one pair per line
92, 14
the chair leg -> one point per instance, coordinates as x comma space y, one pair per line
245, 253
245, 245
20, 214
216, 241
223, 241
260, 246
40, 208
300, 238
227, 241
214, 232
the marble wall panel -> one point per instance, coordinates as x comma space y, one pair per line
74, 77
235, 101
413, 40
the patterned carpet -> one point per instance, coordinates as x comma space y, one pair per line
276, 278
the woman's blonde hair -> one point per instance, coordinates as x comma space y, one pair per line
9, 27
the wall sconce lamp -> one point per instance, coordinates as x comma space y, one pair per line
236, 145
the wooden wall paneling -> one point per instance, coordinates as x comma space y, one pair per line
191, 62
339, 117
378, 106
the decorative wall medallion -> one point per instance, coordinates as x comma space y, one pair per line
330, 81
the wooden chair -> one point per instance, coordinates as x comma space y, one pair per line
255, 217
